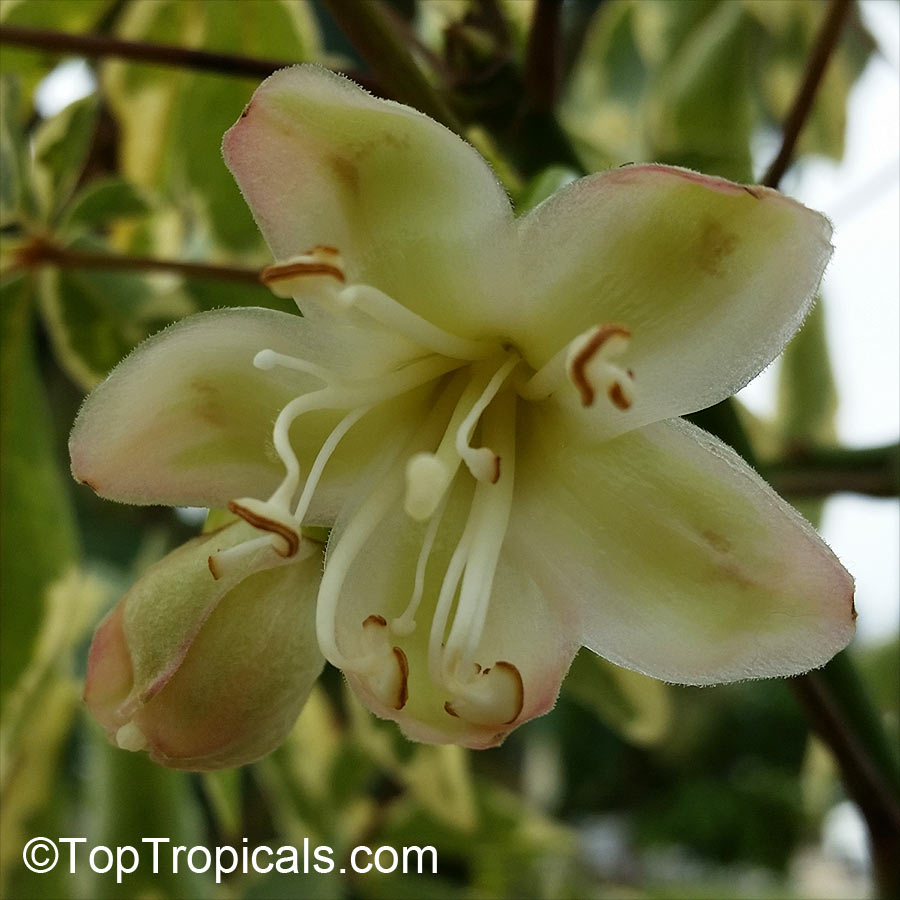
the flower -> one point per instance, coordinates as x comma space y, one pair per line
485, 408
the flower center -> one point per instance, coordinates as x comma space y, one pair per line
469, 434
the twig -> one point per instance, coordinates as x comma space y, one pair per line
542, 56
40, 252
821, 53
96, 46
367, 27
819, 472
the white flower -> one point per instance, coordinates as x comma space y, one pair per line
485, 410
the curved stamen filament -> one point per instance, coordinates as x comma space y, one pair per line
328, 448
482, 462
491, 510
365, 394
268, 359
405, 623
585, 362
396, 317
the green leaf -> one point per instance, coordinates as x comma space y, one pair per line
130, 798
101, 203
807, 395
699, 113
71, 16
37, 538
636, 706
172, 123
16, 199
61, 146
95, 318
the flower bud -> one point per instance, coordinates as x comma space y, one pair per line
204, 672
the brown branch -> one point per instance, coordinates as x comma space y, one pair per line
40, 252
96, 46
824, 47
819, 472
370, 31
543, 64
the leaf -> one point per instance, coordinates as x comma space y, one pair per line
789, 32
61, 146
15, 196
807, 394
95, 318
699, 113
101, 203
171, 123
71, 16
635, 706
37, 538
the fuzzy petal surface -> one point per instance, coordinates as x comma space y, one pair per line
208, 673
413, 209
687, 566
187, 418
711, 278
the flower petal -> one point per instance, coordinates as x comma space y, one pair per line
711, 278
526, 637
187, 418
412, 208
688, 566
208, 673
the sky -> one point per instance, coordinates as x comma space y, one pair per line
861, 290
861, 295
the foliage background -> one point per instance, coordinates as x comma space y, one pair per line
629, 788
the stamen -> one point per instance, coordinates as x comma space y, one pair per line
384, 667
221, 561
324, 454
592, 349
482, 462
268, 359
494, 697
317, 268
405, 624
396, 317
365, 394
491, 508
268, 516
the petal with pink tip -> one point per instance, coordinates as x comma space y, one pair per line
710, 278
412, 208
686, 565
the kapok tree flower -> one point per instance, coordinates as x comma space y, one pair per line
485, 408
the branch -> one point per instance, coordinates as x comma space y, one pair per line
95, 46
367, 27
825, 45
818, 472
841, 712
542, 56
40, 252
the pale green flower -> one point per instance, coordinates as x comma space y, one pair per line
485, 410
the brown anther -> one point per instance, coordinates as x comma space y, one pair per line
214, 568
448, 708
375, 620
291, 537
496, 476
578, 366
509, 667
286, 271
403, 690
619, 400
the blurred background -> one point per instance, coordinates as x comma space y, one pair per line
629, 788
